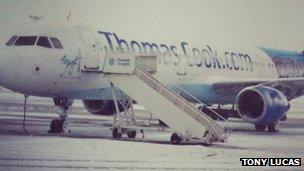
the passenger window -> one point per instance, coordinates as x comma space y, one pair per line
11, 41
26, 41
44, 42
56, 43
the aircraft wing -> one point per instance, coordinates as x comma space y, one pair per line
290, 87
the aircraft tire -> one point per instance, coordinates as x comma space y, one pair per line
56, 126
260, 128
273, 127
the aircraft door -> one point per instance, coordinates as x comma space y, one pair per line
92, 57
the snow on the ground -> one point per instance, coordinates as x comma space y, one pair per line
19, 152
75, 153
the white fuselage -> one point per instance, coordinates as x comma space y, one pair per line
50, 72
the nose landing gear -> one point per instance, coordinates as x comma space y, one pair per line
61, 124
56, 126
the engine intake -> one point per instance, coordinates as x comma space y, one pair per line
261, 105
101, 107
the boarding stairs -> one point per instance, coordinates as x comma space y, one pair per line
132, 76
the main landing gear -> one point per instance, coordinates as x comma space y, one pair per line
61, 124
273, 127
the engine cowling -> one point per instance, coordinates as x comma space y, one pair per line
101, 107
261, 105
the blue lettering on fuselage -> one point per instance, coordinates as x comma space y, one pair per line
206, 57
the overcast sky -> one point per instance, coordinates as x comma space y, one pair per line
273, 23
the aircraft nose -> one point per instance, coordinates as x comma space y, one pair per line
9, 68
8, 61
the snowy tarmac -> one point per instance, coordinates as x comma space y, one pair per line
90, 145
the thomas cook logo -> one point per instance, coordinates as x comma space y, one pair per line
111, 61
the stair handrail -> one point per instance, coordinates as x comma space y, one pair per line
148, 68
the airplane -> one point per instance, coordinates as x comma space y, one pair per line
66, 62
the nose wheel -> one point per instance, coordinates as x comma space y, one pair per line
56, 126
61, 124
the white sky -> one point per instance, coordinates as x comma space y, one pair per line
273, 23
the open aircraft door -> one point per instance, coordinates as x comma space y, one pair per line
93, 57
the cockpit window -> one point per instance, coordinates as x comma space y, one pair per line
57, 44
44, 42
26, 41
11, 40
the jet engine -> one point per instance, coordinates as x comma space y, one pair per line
101, 107
261, 105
